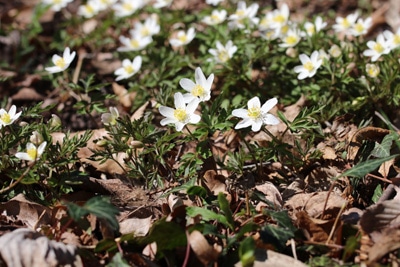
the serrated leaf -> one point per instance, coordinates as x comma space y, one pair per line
207, 215
365, 167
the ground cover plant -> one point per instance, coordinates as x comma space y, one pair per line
199, 133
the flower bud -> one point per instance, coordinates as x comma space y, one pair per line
36, 138
55, 121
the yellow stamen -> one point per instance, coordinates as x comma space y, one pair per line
183, 38
129, 69
223, 55
279, 18
32, 152
60, 63
309, 66
291, 39
180, 114
6, 118
254, 112
134, 43
378, 48
198, 90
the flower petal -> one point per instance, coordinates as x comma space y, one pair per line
269, 104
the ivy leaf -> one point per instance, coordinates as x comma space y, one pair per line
98, 206
224, 205
383, 149
207, 215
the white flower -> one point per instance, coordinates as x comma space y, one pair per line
223, 53
313, 28
103, 4
129, 68
162, 3
291, 39
127, 7
110, 118
90, 9
344, 24
61, 63
377, 48
361, 27
182, 114
57, 5
36, 138
217, 17
256, 115
32, 153
149, 28
243, 14
7, 118
372, 70
200, 90
213, 2
335, 51
278, 17
309, 65
183, 38
392, 39
135, 42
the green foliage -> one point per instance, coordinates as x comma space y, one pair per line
98, 206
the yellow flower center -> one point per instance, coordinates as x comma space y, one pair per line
291, 39
183, 38
89, 9
129, 69
223, 56
214, 18
396, 39
378, 48
311, 29
57, 1
180, 114
127, 6
32, 153
345, 23
145, 31
6, 118
198, 90
359, 27
254, 112
279, 18
134, 43
240, 13
308, 66
60, 63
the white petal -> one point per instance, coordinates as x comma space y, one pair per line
240, 112
179, 101
302, 75
256, 126
194, 118
299, 68
41, 148
23, 156
179, 126
199, 76
304, 58
269, 104
192, 105
166, 111
166, 121
244, 123
254, 102
270, 119
187, 84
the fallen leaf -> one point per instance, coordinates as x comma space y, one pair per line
270, 258
27, 248
382, 215
271, 193
137, 226
202, 249
213, 182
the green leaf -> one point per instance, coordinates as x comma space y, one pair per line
197, 191
224, 205
363, 168
383, 149
247, 252
377, 193
277, 236
167, 235
118, 261
98, 206
207, 215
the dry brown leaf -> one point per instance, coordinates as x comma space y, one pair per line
321, 178
313, 231
271, 193
26, 248
124, 96
388, 241
27, 93
213, 182
105, 63
137, 226
202, 249
29, 213
270, 258
314, 203
383, 215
